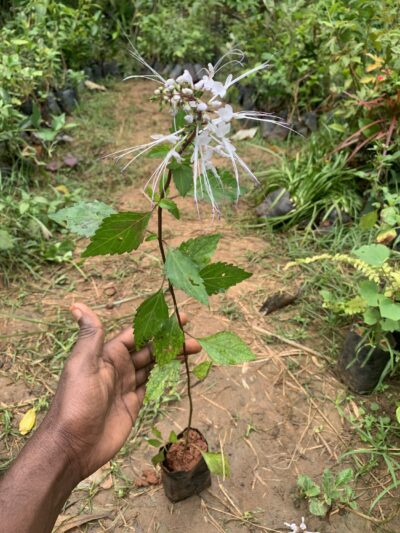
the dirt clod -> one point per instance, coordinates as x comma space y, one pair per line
181, 458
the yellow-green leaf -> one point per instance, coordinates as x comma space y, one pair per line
27, 421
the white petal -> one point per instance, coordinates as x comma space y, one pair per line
185, 78
226, 113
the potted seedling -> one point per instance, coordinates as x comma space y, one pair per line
369, 350
201, 123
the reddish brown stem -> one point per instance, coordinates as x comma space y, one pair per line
171, 288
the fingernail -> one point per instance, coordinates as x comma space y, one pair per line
76, 312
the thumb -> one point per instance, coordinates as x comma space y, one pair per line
91, 335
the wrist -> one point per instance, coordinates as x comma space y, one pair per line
56, 443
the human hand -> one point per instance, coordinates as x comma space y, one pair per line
100, 393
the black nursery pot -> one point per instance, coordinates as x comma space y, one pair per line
360, 366
179, 485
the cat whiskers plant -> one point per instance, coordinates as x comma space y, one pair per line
201, 122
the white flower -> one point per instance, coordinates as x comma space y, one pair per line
302, 528
185, 78
207, 125
202, 106
226, 113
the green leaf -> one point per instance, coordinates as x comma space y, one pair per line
149, 318
83, 218
183, 178
161, 378
159, 151
151, 237
217, 463
168, 341
344, 477
201, 249
158, 458
373, 254
390, 325
183, 273
389, 309
389, 216
46, 135
371, 316
36, 117
6, 240
368, 220
156, 432
119, 233
307, 486
201, 371
369, 292
173, 437
218, 277
226, 348
317, 507
170, 206
179, 120
154, 442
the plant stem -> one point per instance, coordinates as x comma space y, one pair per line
170, 286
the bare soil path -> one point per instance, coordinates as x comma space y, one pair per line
275, 418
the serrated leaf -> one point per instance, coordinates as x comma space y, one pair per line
83, 218
373, 254
201, 249
369, 292
183, 178
6, 240
170, 206
218, 277
149, 318
161, 378
119, 233
226, 348
168, 341
202, 370
317, 507
183, 273
28, 421
217, 463
389, 309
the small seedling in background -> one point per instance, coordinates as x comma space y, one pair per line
334, 491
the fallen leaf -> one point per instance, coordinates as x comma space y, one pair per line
241, 135
94, 86
65, 523
149, 477
27, 421
70, 160
62, 188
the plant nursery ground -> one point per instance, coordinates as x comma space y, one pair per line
282, 415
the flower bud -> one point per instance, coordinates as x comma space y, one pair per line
187, 91
201, 106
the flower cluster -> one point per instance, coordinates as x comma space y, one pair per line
207, 123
